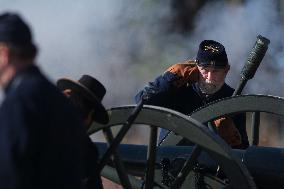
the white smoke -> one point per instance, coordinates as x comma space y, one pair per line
237, 27
101, 38
125, 43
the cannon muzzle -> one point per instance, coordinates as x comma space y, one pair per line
255, 57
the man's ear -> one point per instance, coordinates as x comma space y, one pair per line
4, 54
67, 92
228, 68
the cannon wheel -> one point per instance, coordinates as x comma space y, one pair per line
186, 127
236, 104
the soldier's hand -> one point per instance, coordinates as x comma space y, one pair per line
149, 91
228, 131
186, 72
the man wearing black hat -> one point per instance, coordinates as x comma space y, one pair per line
86, 94
186, 86
41, 135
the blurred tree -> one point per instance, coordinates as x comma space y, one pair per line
184, 12
183, 15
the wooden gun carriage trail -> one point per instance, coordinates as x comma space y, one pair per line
210, 162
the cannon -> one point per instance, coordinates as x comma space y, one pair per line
210, 163
255, 167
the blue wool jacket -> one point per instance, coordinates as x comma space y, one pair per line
185, 99
42, 139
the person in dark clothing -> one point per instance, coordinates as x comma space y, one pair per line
86, 94
189, 85
42, 140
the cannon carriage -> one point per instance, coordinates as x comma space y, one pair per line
255, 167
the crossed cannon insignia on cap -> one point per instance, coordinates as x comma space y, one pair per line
211, 47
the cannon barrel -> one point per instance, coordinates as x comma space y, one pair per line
255, 57
264, 163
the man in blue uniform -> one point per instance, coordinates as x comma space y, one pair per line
42, 140
186, 86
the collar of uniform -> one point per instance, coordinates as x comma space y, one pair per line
16, 80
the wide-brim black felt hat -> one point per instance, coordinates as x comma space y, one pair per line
92, 89
211, 54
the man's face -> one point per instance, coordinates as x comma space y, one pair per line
82, 104
211, 79
3, 60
